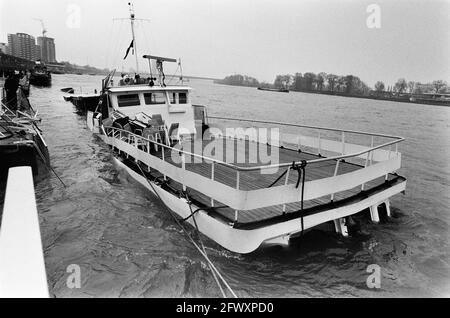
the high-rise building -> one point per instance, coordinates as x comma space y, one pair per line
47, 49
3, 48
22, 45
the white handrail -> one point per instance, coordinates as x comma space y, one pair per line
262, 167
308, 126
22, 267
249, 199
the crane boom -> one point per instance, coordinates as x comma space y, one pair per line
44, 30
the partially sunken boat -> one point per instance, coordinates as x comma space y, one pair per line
243, 183
83, 102
21, 140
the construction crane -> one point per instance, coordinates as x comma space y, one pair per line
44, 31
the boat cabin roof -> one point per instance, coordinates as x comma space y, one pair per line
143, 88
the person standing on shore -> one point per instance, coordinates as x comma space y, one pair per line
11, 86
24, 83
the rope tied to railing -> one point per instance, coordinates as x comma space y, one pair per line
300, 168
301, 171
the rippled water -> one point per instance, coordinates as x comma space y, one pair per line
127, 245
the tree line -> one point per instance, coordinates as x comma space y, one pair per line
239, 80
337, 84
411, 87
323, 82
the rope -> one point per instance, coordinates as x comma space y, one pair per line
203, 247
211, 265
278, 179
301, 177
173, 75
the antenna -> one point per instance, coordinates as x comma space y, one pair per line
132, 32
181, 70
132, 19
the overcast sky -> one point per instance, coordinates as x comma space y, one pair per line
260, 38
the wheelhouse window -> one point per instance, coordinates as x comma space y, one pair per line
157, 98
182, 98
173, 98
128, 100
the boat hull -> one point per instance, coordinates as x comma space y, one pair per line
83, 104
40, 80
279, 90
245, 241
33, 153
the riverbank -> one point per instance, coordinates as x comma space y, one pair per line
402, 99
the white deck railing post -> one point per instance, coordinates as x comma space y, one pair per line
183, 166
212, 178
148, 151
386, 177
162, 157
319, 145
371, 155
365, 166
335, 174
343, 143
285, 183
236, 212
120, 138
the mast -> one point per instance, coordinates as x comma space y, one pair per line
134, 39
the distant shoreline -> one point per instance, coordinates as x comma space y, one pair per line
392, 99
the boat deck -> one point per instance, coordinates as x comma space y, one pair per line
250, 180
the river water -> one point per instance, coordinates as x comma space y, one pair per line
127, 245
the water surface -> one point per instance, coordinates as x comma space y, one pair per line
127, 245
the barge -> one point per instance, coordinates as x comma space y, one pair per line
244, 183
279, 90
83, 102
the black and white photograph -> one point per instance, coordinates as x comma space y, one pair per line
248, 150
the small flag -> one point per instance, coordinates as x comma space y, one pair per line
128, 50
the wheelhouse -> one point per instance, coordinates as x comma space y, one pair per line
173, 104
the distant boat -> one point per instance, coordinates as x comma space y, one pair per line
83, 102
281, 90
40, 76
69, 90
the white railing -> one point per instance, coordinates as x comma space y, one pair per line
22, 267
345, 149
240, 199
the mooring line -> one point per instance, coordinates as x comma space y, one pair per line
203, 253
203, 246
